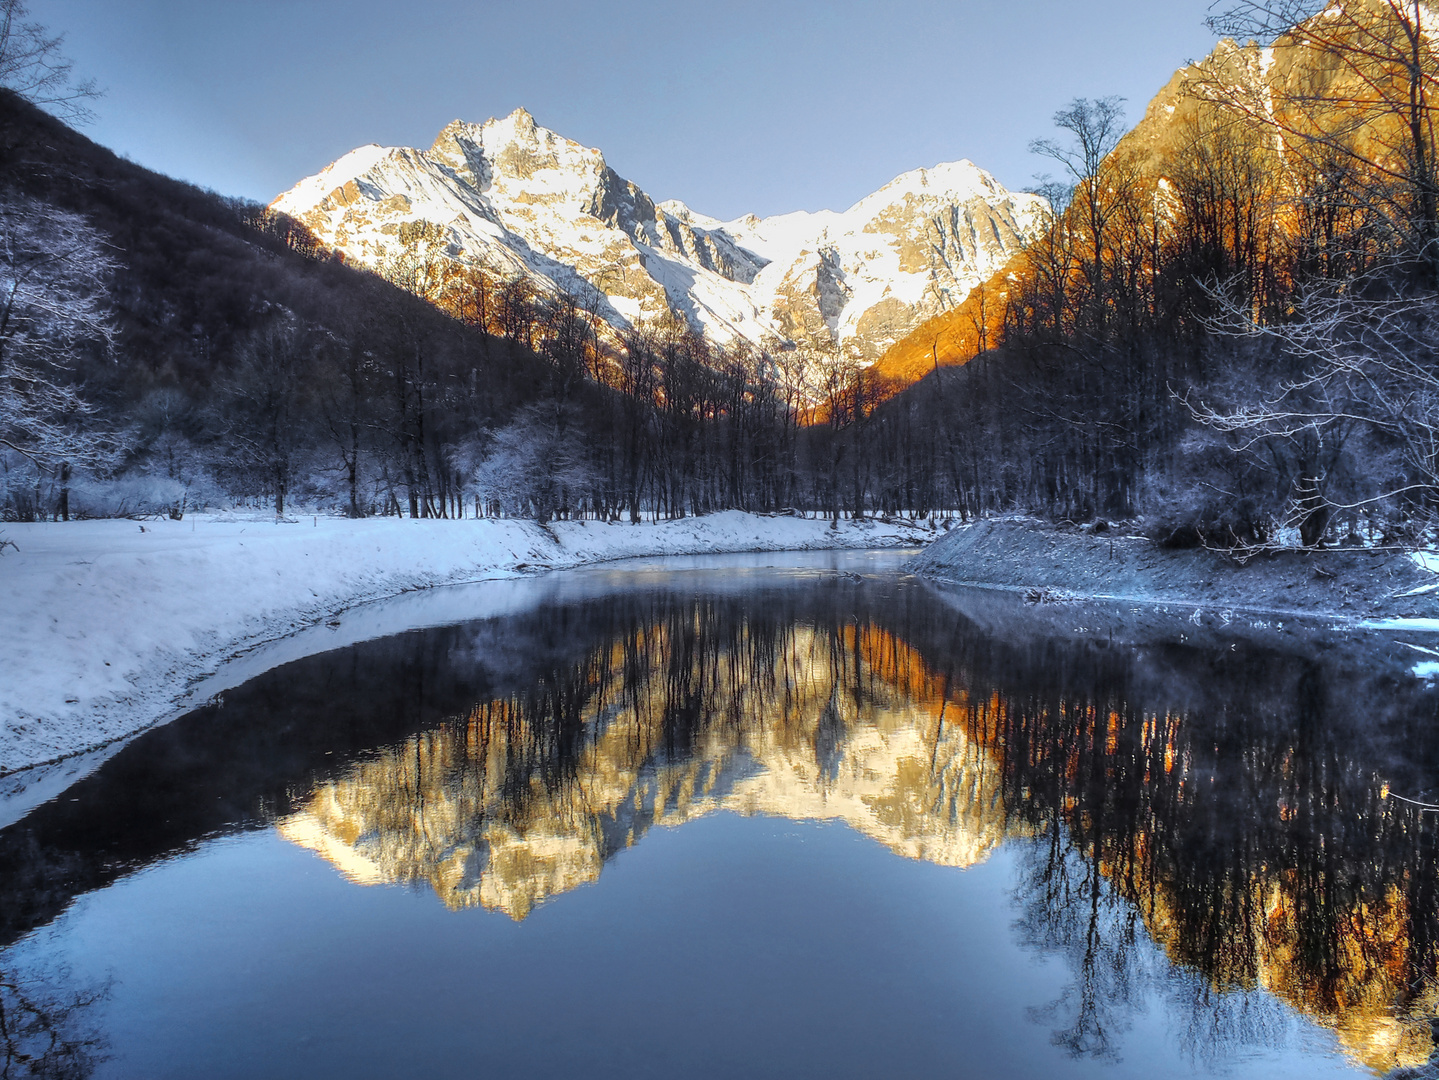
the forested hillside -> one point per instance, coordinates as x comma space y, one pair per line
1225, 333
210, 329
164, 348
168, 348
1229, 330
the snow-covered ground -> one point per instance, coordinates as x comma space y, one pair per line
108, 625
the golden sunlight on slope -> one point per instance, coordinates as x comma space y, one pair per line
1327, 103
1143, 156
952, 337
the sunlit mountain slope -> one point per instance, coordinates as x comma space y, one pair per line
517, 200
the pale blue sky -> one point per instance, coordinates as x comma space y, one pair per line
734, 106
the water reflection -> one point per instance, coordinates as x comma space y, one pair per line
690, 709
1215, 803
47, 1029
1217, 809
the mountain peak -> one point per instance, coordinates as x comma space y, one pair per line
524, 201
518, 127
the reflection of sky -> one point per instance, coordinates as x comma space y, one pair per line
839, 725
731, 947
735, 106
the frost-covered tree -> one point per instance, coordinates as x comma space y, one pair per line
1351, 425
536, 465
54, 305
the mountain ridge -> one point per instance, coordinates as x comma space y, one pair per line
1238, 84
517, 199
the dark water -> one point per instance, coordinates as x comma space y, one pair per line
688, 822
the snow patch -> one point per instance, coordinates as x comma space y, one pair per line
1421, 626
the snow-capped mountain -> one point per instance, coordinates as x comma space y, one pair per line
520, 200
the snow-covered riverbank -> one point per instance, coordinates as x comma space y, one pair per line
1051, 562
108, 623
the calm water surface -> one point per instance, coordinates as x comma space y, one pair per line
718, 819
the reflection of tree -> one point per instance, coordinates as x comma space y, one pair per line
1215, 1021
1248, 835
1066, 908
685, 709
1207, 829
1070, 910
1224, 815
45, 1030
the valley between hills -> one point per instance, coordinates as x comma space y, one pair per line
467, 613
1210, 332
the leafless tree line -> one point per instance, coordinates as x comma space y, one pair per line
522, 403
1229, 337
1232, 336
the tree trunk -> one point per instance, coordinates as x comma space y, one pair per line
352, 468
65, 491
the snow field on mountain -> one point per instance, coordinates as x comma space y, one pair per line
520, 199
109, 623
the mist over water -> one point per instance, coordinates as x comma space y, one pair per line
724, 821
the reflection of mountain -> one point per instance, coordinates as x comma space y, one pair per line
808, 724
1362, 992
1227, 803
1250, 842
1238, 829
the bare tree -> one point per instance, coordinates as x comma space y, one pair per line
266, 406
421, 264
343, 397
1361, 397
1096, 128
32, 65
1359, 86
48, 1029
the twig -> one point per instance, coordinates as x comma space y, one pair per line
1413, 802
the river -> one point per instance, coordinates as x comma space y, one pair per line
761, 816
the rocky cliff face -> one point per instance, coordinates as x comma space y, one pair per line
518, 199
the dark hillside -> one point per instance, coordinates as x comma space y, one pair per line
247, 362
199, 272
